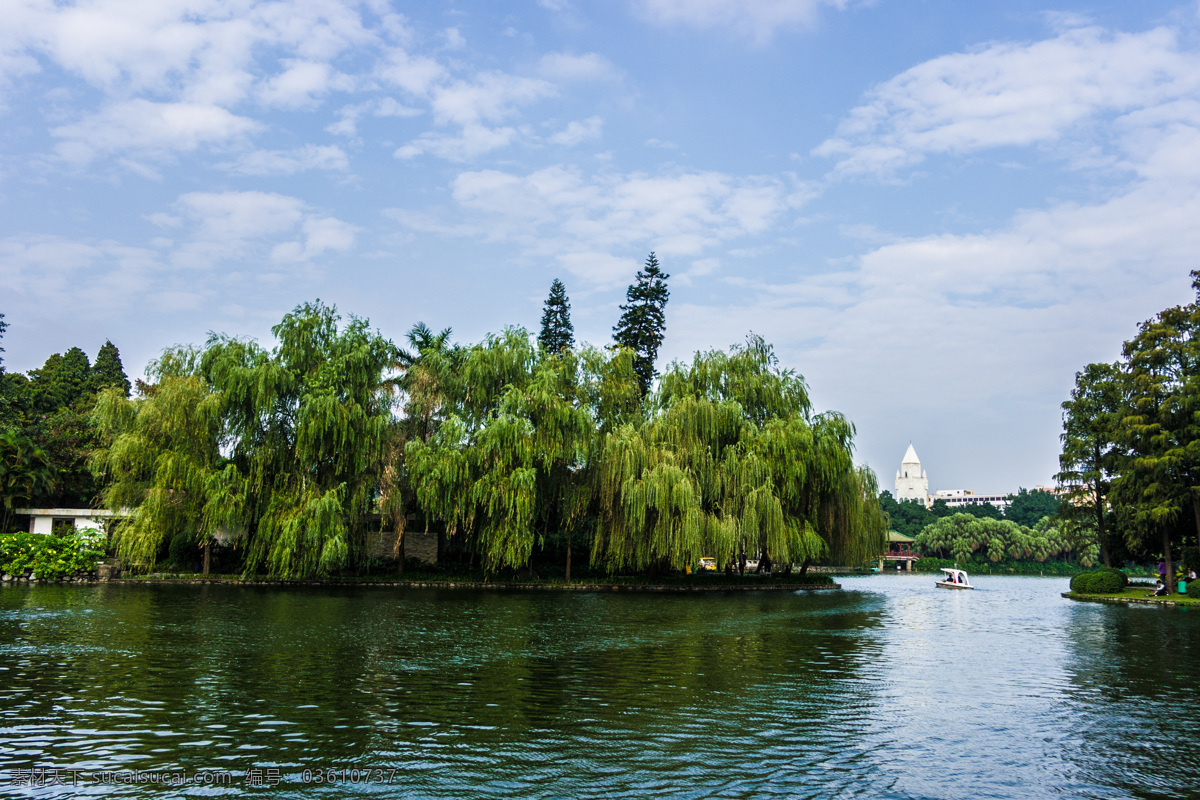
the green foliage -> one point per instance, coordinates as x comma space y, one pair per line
1091, 454
643, 319
68, 439
62, 382
48, 557
964, 536
557, 331
1101, 581
163, 461
982, 511
908, 517
1003, 567
514, 450
25, 472
1028, 508
108, 371
283, 446
731, 463
1131, 441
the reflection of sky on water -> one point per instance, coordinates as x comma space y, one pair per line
892, 688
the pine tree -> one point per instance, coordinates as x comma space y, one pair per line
558, 333
643, 321
3, 327
108, 370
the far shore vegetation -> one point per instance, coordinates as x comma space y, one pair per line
531, 457
524, 455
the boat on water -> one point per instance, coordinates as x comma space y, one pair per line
955, 579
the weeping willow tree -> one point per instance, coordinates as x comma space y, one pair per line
164, 461
306, 428
512, 460
283, 446
732, 462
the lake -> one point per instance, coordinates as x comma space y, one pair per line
889, 689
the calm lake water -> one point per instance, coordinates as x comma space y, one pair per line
891, 688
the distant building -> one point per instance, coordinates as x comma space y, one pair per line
911, 482
961, 498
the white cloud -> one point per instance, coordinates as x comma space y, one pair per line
758, 20
578, 131
1011, 94
488, 97
591, 225
157, 128
453, 39
474, 141
289, 162
561, 67
301, 84
232, 225
414, 74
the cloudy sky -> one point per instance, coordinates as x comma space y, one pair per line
937, 211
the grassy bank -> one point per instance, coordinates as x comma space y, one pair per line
1136, 594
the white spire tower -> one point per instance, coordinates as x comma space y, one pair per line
911, 483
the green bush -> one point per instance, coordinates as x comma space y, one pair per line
1107, 581
1082, 582
48, 557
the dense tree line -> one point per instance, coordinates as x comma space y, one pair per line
966, 537
46, 434
506, 449
1025, 508
1131, 444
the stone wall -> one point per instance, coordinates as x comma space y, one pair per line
417, 544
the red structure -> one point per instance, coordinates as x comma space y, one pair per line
901, 551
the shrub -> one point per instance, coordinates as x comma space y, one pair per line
1082, 582
47, 556
1107, 581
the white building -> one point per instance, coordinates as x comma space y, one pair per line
960, 498
911, 482
44, 520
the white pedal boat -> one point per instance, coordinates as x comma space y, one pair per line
955, 579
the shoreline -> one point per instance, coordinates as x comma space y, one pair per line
449, 584
1169, 600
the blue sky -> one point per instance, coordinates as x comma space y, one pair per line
936, 211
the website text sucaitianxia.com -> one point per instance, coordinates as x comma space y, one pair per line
254, 776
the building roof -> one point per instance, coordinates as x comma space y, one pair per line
899, 537
910, 456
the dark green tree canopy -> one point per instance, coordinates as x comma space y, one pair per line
908, 517
108, 371
557, 331
1029, 508
643, 319
60, 383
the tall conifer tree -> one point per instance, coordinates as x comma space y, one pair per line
108, 370
558, 333
643, 320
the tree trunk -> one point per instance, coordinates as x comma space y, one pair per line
804, 567
568, 579
400, 555
1100, 535
207, 555
1169, 578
